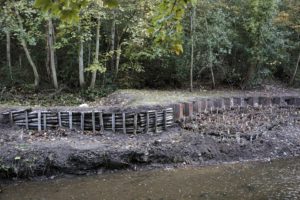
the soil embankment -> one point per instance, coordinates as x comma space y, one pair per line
233, 135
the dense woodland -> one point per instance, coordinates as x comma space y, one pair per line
99, 45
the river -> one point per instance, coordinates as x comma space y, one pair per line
278, 179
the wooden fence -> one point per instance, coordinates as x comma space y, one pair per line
154, 121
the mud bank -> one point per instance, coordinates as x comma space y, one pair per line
211, 138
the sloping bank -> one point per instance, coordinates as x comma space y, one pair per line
212, 137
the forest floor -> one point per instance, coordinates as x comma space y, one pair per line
229, 136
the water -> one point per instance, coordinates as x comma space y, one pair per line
273, 180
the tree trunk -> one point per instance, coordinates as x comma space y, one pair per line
48, 56
210, 61
212, 75
24, 45
192, 47
296, 70
20, 61
89, 54
52, 53
113, 40
250, 73
94, 75
8, 55
80, 61
34, 68
118, 58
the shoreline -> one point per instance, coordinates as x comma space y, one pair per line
233, 135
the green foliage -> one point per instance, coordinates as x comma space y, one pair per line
167, 28
93, 94
152, 41
96, 67
69, 11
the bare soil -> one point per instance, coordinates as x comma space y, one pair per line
229, 136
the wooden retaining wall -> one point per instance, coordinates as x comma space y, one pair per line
187, 109
154, 121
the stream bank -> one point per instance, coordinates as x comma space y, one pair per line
205, 139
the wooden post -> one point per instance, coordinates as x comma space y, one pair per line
165, 119
101, 122
231, 103
26, 119
93, 121
124, 122
45, 121
205, 106
147, 122
39, 121
113, 122
223, 104
178, 111
82, 121
11, 120
135, 123
59, 119
70, 120
155, 121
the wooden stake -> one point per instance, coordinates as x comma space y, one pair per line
165, 119
26, 119
59, 119
124, 122
135, 123
82, 121
70, 120
113, 122
155, 121
39, 121
45, 121
11, 120
93, 121
147, 122
101, 122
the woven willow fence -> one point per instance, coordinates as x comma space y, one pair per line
154, 121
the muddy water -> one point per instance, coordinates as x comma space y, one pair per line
271, 180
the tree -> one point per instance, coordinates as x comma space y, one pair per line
96, 60
193, 13
80, 60
167, 25
52, 52
22, 37
288, 20
256, 16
